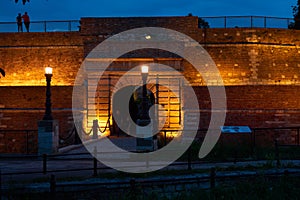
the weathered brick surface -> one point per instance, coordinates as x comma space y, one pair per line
23, 107
259, 67
24, 57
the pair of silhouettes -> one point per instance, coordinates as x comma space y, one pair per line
25, 19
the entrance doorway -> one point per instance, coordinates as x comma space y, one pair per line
134, 108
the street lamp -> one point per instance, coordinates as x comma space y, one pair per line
48, 111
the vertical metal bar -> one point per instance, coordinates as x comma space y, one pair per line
52, 186
169, 104
277, 153
132, 188
44, 163
0, 184
298, 136
45, 26
180, 96
225, 22
165, 132
27, 142
251, 21
265, 22
109, 102
252, 142
212, 177
189, 158
69, 24
157, 102
95, 173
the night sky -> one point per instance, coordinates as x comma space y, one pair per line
74, 9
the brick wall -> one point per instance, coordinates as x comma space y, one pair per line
23, 107
255, 106
260, 68
25, 55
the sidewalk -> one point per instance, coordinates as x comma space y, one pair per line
60, 165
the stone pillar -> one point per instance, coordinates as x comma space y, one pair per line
48, 136
146, 143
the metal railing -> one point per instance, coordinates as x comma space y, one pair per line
43, 26
213, 22
248, 22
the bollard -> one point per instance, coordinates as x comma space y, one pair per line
212, 177
44, 163
277, 154
95, 129
95, 173
52, 186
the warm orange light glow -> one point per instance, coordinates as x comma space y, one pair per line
173, 134
48, 70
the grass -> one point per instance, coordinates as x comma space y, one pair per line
276, 188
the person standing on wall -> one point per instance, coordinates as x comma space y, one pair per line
19, 23
26, 21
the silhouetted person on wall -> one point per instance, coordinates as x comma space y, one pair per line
19, 23
26, 21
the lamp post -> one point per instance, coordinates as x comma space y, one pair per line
48, 111
145, 140
144, 112
48, 129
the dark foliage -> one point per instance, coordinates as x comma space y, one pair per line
23, 1
296, 13
202, 23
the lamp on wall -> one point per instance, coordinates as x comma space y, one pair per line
48, 104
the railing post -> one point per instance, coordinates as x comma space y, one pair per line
27, 142
52, 186
0, 184
45, 26
165, 137
109, 103
189, 159
265, 22
133, 188
212, 178
69, 26
157, 102
225, 22
251, 21
277, 153
298, 135
95, 173
44, 163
